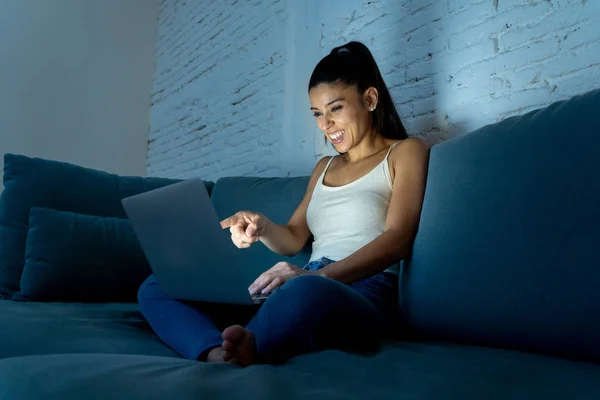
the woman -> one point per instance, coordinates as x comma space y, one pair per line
362, 207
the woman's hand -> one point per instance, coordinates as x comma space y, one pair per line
275, 277
246, 228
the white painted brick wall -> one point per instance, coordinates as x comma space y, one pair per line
236, 103
219, 85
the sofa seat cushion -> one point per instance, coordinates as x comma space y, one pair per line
399, 371
47, 328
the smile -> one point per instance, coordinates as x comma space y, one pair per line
337, 137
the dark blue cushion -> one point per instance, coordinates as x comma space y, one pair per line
81, 258
61, 186
507, 252
65, 328
276, 198
401, 371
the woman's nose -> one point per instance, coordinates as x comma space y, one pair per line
326, 123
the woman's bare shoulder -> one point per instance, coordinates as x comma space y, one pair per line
320, 167
411, 153
412, 146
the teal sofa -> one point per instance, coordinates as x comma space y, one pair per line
500, 298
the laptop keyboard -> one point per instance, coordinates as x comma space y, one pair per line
258, 298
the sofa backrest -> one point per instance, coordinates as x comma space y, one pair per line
35, 182
508, 248
276, 198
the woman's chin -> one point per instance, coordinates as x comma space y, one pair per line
341, 147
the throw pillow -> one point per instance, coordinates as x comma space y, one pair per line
30, 182
81, 258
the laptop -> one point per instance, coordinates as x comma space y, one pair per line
192, 257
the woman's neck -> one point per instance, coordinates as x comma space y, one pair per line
370, 145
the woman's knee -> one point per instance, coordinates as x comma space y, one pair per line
149, 289
308, 285
311, 292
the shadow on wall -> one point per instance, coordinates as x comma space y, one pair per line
407, 59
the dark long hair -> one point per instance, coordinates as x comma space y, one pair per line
353, 65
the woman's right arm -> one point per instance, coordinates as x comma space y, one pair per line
289, 239
285, 240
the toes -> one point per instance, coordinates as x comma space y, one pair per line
235, 333
227, 345
239, 346
227, 356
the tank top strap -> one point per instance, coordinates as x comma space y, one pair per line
390, 149
386, 167
322, 176
327, 166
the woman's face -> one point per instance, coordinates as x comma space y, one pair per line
342, 113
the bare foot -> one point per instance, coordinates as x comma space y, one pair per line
215, 355
239, 346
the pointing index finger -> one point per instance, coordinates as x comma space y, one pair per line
228, 222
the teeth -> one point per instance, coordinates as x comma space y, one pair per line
336, 135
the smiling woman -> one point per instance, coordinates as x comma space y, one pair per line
351, 75
362, 207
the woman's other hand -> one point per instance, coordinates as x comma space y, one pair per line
275, 277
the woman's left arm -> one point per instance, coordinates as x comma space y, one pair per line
409, 160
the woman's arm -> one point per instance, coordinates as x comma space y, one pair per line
288, 240
409, 160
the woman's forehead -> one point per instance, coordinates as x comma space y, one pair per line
326, 92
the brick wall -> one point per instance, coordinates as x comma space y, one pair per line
230, 86
219, 85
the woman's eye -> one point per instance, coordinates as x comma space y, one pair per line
336, 108
317, 114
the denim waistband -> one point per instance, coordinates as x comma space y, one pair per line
324, 261
318, 264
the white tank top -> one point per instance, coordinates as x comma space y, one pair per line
345, 218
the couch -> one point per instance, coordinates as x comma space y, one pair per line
500, 298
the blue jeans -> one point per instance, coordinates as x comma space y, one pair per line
308, 313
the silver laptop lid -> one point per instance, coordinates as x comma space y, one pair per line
192, 257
